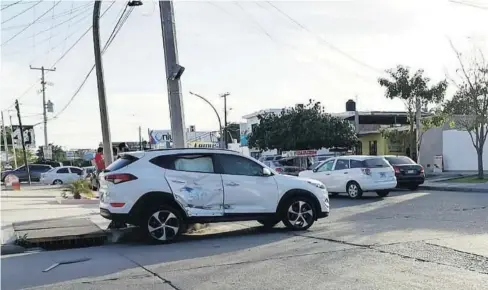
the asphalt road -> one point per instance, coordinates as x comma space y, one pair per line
410, 240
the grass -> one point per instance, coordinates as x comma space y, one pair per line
468, 179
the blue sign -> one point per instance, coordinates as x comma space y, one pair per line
244, 140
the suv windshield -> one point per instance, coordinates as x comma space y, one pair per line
375, 163
399, 160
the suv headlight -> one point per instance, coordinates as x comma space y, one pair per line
317, 184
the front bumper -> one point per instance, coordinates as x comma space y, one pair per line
323, 214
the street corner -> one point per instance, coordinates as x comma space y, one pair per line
11, 249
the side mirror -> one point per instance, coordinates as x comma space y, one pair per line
314, 170
266, 172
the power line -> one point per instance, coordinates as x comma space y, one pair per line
331, 46
56, 16
10, 5
32, 23
118, 26
469, 4
56, 62
22, 12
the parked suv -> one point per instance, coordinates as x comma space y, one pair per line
354, 175
21, 172
164, 190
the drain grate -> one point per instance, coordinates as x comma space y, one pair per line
65, 243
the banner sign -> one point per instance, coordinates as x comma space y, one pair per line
29, 136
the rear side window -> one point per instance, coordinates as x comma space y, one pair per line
357, 164
40, 168
375, 163
194, 164
76, 170
63, 170
399, 160
123, 161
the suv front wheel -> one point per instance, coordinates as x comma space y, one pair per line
298, 213
164, 224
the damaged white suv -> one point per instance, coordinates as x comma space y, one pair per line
164, 190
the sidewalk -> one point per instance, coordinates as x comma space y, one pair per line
442, 185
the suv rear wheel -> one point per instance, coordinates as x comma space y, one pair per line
164, 224
298, 213
354, 190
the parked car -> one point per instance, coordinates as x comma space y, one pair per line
88, 170
21, 172
354, 175
409, 174
283, 169
62, 175
164, 190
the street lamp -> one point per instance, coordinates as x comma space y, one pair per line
134, 3
216, 114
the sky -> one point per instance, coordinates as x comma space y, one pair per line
329, 51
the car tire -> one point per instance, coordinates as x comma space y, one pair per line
298, 213
353, 190
332, 194
269, 223
413, 186
383, 193
57, 182
163, 224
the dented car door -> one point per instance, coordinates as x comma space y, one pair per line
196, 186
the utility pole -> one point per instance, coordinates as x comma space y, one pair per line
173, 74
26, 163
225, 119
44, 105
140, 138
13, 142
102, 101
5, 144
418, 117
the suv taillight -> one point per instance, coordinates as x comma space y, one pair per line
366, 171
278, 169
397, 170
421, 169
119, 178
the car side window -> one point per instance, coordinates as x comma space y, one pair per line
194, 163
327, 166
22, 168
341, 164
357, 164
237, 165
62, 170
76, 170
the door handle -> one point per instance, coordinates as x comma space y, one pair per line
327, 174
346, 172
177, 181
232, 184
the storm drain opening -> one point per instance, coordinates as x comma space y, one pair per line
63, 244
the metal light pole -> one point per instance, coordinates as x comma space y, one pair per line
13, 142
222, 145
173, 74
225, 119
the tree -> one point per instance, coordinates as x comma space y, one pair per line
58, 153
302, 127
469, 105
415, 92
19, 156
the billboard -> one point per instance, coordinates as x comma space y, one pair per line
29, 136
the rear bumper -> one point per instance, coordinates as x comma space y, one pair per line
373, 186
119, 217
406, 180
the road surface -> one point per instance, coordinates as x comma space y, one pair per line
410, 240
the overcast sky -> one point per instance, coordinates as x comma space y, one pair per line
330, 51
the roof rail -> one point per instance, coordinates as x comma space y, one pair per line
191, 148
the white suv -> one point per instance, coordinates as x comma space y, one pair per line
354, 175
164, 190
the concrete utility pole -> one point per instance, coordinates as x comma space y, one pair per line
173, 74
418, 117
26, 163
225, 119
102, 101
13, 142
44, 105
5, 144
140, 138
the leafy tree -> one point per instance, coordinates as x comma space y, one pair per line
19, 156
302, 127
414, 91
469, 105
58, 153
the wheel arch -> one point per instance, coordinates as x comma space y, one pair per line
152, 198
298, 192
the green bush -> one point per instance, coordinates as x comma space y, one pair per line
78, 187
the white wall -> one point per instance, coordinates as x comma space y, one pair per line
459, 153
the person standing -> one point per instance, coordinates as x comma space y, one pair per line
99, 161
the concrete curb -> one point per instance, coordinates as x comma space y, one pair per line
454, 188
10, 249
